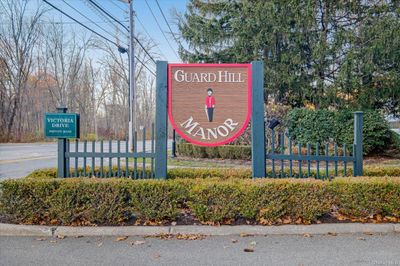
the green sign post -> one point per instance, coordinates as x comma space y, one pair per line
61, 125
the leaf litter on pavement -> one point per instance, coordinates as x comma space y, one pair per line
121, 238
178, 236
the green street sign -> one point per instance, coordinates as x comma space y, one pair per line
60, 125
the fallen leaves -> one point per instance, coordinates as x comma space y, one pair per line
179, 236
332, 234
82, 222
234, 240
245, 235
137, 243
373, 218
307, 235
190, 236
121, 238
54, 222
61, 236
253, 243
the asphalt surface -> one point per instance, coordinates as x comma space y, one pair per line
352, 249
19, 159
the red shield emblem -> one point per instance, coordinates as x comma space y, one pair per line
209, 104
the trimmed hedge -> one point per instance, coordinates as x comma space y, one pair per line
87, 201
241, 152
240, 173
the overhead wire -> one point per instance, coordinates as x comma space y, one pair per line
159, 26
113, 18
108, 14
83, 15
166, 21
148, 34
103, 16
112, 2
95, 32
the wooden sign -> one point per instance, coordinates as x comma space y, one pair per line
209, 104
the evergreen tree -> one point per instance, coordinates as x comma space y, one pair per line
327, 53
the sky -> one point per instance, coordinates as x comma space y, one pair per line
145, 23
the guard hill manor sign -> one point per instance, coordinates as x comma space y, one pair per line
209, 104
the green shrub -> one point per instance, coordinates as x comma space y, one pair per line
265, 201
311, 126
240, 173
242, 152
365, 199
90, 201
52, 172
201, 173
32, 198
43, 173
216, 202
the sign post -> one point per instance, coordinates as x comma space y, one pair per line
257, 121
161, 121
62, 145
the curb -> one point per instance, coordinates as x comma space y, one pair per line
314, 229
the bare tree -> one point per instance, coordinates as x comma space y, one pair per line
115, 81
17, 41
64, 55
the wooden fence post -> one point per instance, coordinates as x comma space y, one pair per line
62, 145
257, 120
161, 120
358, 141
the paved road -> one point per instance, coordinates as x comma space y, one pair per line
357, 249
18, 160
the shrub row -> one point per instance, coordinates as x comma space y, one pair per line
241, 152
120, 201
311, 126
226, 173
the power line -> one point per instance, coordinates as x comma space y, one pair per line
166, 21
158, 24
86, 27
83, 15
148, 34
108, 14
112, 2
113, 18
101, 14
66, 22
95, 32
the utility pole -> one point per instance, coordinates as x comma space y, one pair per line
132, 98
